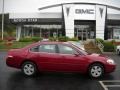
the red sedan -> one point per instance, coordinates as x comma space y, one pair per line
59, 57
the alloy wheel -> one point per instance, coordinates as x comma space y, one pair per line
29, 68
96, 70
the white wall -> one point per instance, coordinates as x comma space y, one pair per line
98, 13
100, 21
35, 15
69, 19
0, 6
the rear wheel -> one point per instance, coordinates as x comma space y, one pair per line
29, 68
96, 70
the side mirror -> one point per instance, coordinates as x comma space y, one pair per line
76, 54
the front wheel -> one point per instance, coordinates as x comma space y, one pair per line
29, 68
96, 70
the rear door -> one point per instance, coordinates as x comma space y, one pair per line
45, 56
48, 58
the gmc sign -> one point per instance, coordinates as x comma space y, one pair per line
84, 11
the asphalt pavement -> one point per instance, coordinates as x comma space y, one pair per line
13, 79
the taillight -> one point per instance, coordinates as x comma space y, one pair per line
10, 56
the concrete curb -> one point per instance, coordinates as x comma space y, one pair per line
109, 52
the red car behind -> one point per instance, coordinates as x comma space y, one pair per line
60, 57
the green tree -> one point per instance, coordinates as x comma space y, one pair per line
9, 28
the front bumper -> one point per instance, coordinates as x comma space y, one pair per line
110, 68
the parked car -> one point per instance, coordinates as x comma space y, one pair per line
118, 49
59, 57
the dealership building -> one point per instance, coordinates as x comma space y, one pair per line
81, 20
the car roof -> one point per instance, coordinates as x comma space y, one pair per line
49, 42
46, 42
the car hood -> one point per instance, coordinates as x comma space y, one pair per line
98, 56
101, 55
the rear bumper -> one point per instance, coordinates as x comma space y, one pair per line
11, 62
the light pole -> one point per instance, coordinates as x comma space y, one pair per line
3, 20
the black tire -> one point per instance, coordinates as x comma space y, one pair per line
29, 68
96, 73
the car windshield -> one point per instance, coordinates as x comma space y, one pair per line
77, 45
82, 51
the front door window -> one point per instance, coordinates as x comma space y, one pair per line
68, 60
66, 50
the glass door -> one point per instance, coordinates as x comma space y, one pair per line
83, 32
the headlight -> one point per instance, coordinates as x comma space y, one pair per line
110, 61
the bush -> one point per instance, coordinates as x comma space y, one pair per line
36, 39
63, 38
10, 38
26, 39
99, 39
113, 41
1, 40
30, 39
52, 39
73, 39
108, 47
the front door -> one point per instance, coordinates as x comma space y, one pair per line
69, 61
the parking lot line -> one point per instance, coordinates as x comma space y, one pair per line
112, 85
111, 81
105, 87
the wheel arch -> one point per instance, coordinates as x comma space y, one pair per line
28, 60
97, 62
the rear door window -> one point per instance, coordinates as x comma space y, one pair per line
49, 48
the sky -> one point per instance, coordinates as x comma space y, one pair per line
18, 6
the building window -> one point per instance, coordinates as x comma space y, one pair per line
116, 34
